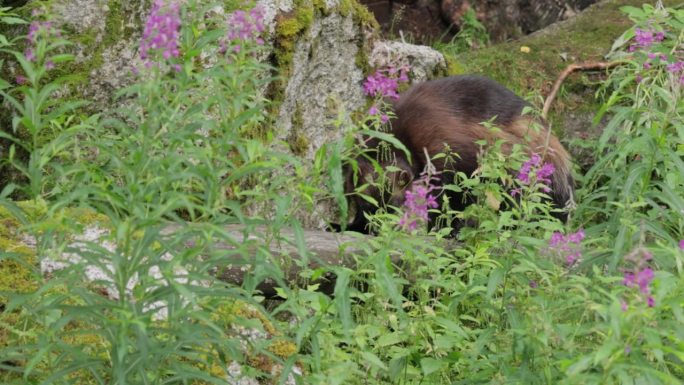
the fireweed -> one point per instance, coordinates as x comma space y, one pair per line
40, 32
384, 84
567, 247
161, 34
648, 46
640, 275
244, 27
418, 200
534, 173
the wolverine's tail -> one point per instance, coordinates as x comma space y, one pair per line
541, 141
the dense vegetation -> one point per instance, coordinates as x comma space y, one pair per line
522, 298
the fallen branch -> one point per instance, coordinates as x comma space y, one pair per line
567, 71
243, 253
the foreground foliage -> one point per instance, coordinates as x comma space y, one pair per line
521, 300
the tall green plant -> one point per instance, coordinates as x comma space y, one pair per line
182, 147
636, 184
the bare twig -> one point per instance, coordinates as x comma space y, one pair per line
567, 71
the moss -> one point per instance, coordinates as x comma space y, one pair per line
361, 61
282, 348
34, 212
359, 12
19, 273
229, 311
297, 139
290, 27
453, 66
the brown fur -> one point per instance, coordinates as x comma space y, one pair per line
447, 113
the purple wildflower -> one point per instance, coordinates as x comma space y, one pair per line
380, 85
576, 237
681, 244
533, 284
161, 31
373, 110
30, 56
541, 172
39, 29
21, 79
417, 202
640, 276
556, 239
384, 83
644, 278
677, 66
623, 305
646, 38
245, 26
568, 247
628, 349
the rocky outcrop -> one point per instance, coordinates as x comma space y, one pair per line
429, 21
322, 50
512, 18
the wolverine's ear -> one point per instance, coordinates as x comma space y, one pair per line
404, 178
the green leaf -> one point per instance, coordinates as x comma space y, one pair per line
12, 20
343, 299
579, 366
391, 339
373, 360
430, 365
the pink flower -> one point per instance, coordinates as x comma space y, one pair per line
641, 275
681, 244
675, 67
623, 305
30, 56
568, 247
373, 110
541, 172
161, 32
247, 26
646, 38
380, 85
417, 201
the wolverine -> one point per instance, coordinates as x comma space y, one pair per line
446, 115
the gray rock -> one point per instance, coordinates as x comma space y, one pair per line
325, 81
424, 62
